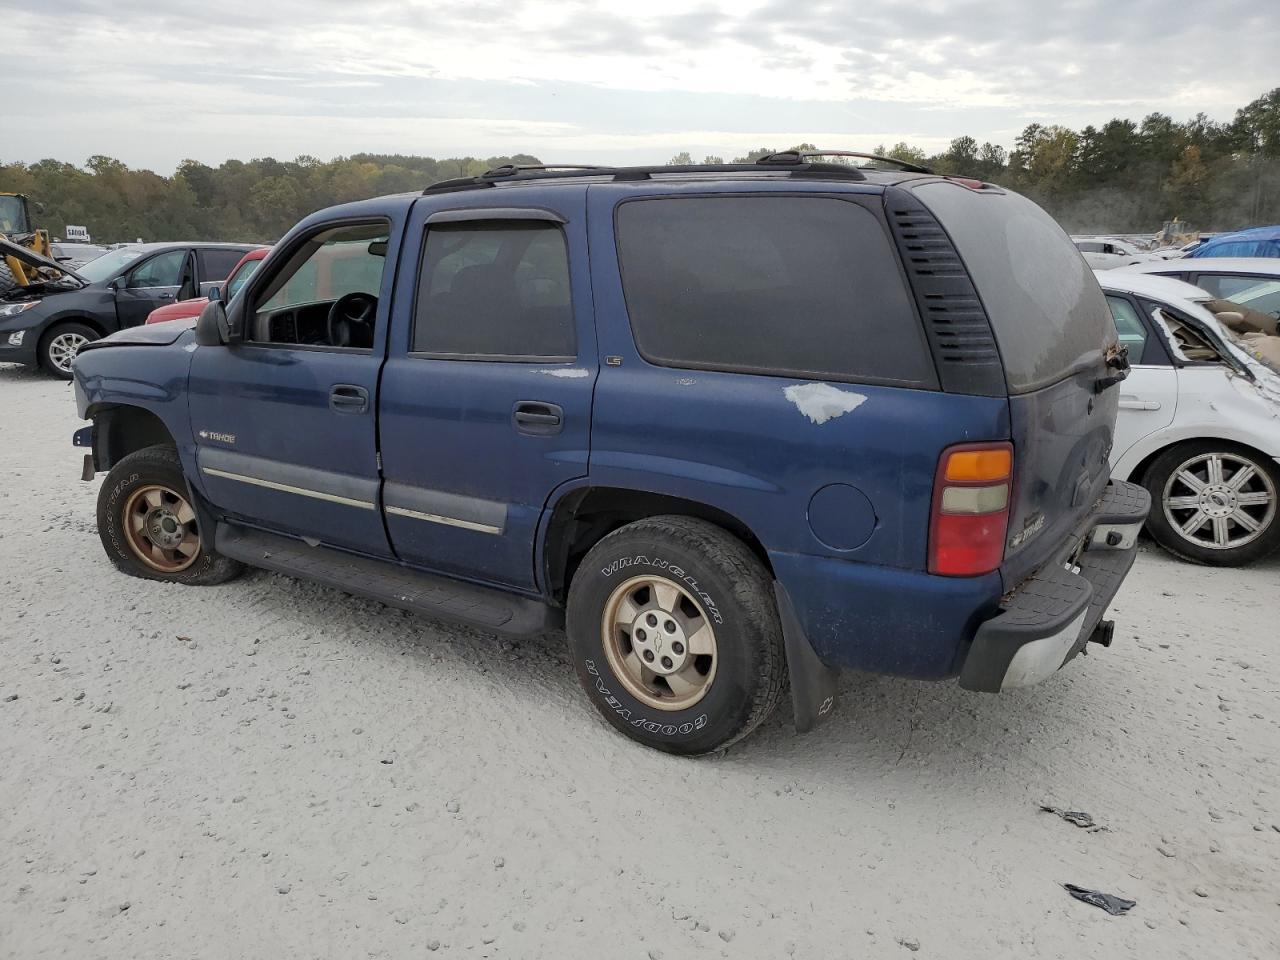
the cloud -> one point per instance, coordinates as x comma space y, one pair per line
155, 83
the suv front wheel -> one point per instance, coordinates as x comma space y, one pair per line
675, 634
1215, 503
148, 526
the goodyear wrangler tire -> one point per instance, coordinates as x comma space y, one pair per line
675, 634
148, 526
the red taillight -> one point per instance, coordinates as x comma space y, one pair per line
971, 495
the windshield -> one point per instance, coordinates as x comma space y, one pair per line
109, 264
13, 215
240, 276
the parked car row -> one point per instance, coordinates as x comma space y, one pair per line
46, 323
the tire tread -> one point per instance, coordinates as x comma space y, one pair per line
752, 590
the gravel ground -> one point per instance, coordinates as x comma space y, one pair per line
272, 769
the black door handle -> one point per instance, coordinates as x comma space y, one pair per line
537, 418
348, 398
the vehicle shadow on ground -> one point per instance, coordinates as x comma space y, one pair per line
880, 723
18, 373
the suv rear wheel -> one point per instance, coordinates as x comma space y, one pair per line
675, 634
148, 526
59, 346
1215, 503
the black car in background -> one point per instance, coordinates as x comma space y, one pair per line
46, 323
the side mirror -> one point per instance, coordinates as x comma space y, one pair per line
117, 284
215, 294
212, 329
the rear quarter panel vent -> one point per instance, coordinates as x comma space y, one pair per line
960, 337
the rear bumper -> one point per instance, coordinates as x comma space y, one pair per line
1055, 612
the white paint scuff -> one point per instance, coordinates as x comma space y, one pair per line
567, 373
821, 402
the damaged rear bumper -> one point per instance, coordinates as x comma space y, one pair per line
1053, 614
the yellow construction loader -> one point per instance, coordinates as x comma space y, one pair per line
15, 226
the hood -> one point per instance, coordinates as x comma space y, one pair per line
33, 259
149, 335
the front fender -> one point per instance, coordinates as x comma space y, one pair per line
112, 380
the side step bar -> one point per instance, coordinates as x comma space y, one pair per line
389, 582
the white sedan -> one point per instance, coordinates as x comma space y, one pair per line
1199, 422
1106, 254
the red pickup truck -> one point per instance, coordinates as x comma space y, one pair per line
186, 309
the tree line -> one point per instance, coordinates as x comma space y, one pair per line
253, 201
1125, 176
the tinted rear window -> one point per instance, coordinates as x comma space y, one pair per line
1045, 305
217, 264
788, 286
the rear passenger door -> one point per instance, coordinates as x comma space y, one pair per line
1149, 395
485, 400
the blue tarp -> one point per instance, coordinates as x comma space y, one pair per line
1258, 242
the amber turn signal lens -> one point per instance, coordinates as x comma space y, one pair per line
979, 465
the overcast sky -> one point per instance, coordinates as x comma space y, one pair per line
154, 83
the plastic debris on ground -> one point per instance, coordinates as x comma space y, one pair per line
1116, 906
1077, 817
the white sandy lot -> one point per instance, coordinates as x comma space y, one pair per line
311, 775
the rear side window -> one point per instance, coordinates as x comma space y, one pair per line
217, 264
1129, 325
1045, 306
495, 290
1256, 293
788, 286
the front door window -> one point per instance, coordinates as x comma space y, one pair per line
326, 294
162, 270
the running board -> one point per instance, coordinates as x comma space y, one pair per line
389, 582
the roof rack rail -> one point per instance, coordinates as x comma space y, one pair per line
511, 169
803, 156
795, 165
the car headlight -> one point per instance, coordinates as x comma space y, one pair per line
13, 309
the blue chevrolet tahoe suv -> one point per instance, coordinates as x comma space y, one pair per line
731, 426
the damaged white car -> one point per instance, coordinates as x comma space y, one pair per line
1199, 418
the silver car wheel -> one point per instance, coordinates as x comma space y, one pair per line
1219, 501
63, 349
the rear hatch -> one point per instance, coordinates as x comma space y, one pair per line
1053, 331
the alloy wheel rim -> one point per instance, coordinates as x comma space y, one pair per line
659, 642
63, 349
160, 528
1220, 501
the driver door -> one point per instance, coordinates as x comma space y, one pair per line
284, 421
155, 282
